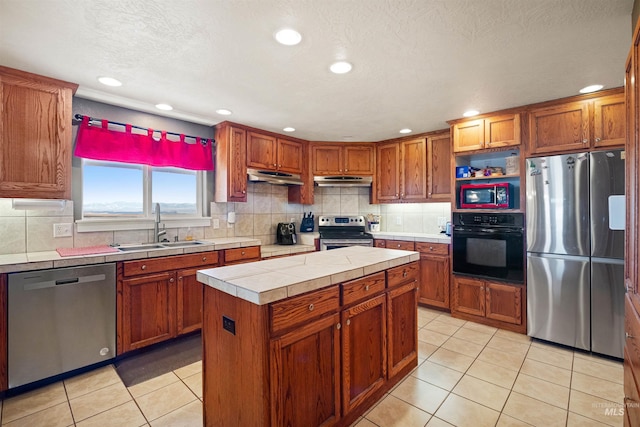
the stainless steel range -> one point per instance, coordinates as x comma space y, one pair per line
340, 231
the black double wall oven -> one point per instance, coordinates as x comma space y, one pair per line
489, 245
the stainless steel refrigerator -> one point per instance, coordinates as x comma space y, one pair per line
575, 250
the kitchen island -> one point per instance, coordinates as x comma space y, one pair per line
312, 339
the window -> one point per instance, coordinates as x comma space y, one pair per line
113, 189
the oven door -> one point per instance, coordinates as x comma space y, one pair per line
489, 252
327, 244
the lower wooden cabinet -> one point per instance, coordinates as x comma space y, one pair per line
497, 304
157, 301
434, 274
4, 374
402, 331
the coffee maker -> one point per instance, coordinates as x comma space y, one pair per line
286, 233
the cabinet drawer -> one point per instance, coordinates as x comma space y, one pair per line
402, 274
364, 287
296, 310
379, 243
404, 245
155, 265
432, 248
241, 254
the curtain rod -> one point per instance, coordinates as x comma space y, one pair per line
79, 118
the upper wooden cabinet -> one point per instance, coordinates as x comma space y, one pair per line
342, 159
35, 136
439, 166
231, 167
402, 171
578, 125
491, 132
267, 152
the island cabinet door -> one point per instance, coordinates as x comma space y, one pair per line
148, 310
402, 329
305, 375
364, 351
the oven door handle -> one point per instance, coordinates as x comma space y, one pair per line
481, 231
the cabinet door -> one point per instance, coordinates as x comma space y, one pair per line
358, 160
364, 351
468, 136
189, 294
504, 302
439, 167
468, 296
308, 355
559, 128
502, 131
148, 310
4, 374
289, 156
326, 160
35, 136
261, 151
609, 121
414, 170
237, 173
434, 280
388, 172
402, 329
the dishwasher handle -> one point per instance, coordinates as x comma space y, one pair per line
72, 281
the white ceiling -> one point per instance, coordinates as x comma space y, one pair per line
417, 63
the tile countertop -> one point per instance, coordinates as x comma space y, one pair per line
263, 282
51, 259
416, 237
267, 251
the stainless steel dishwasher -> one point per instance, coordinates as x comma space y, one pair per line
60, 320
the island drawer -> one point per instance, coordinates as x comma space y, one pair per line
174, 262
432, 248
402, 274
364, 287
297, 310
404, 245
238, 255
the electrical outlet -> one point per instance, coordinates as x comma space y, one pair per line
216, 223
62, 230
229, 324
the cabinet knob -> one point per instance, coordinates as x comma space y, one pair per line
143, 267
274, 165
346, 170
338, 326
598, 139
628, 335
279, 166
348, 322
311, 307
204, 258
430, 248
244, 191
180, 278
404, 274
398, 245
584, 141
171, 280
366, 288
482, 288
242, 253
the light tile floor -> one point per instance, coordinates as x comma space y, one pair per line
468, 375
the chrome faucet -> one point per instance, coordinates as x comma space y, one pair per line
156, 226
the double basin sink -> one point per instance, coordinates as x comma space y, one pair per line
162, 245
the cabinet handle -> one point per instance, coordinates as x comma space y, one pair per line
482, 288
597, 139
242, 253
584, 141
244, 191
430, 248
171, 280
348, 322
204, 258
311, 307
398, 245
143, 267
366, 288
279, 166
628, 335
274, 165
346, 170
180, 278
404, 273
338, 326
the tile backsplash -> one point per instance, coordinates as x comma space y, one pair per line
32, 230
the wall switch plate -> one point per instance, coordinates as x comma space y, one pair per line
62, 230
216, 223
229, 324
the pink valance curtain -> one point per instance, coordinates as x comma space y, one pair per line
100, 143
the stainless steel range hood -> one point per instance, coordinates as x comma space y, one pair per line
272, 177
342, 181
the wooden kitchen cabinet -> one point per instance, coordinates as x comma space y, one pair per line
404, 245
402, 330
241, 255
387, 183
492, 303
439, 166
231, 167
157, 300
4, 373
267, 152
342, 159
401, 173
578, 124
434, 274
35, 136
490, 132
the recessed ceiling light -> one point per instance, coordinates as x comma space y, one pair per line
109, 81
340, 67
288, 37
471, 113
164, 107
289, 129
405, 130
591, 88
223, 112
